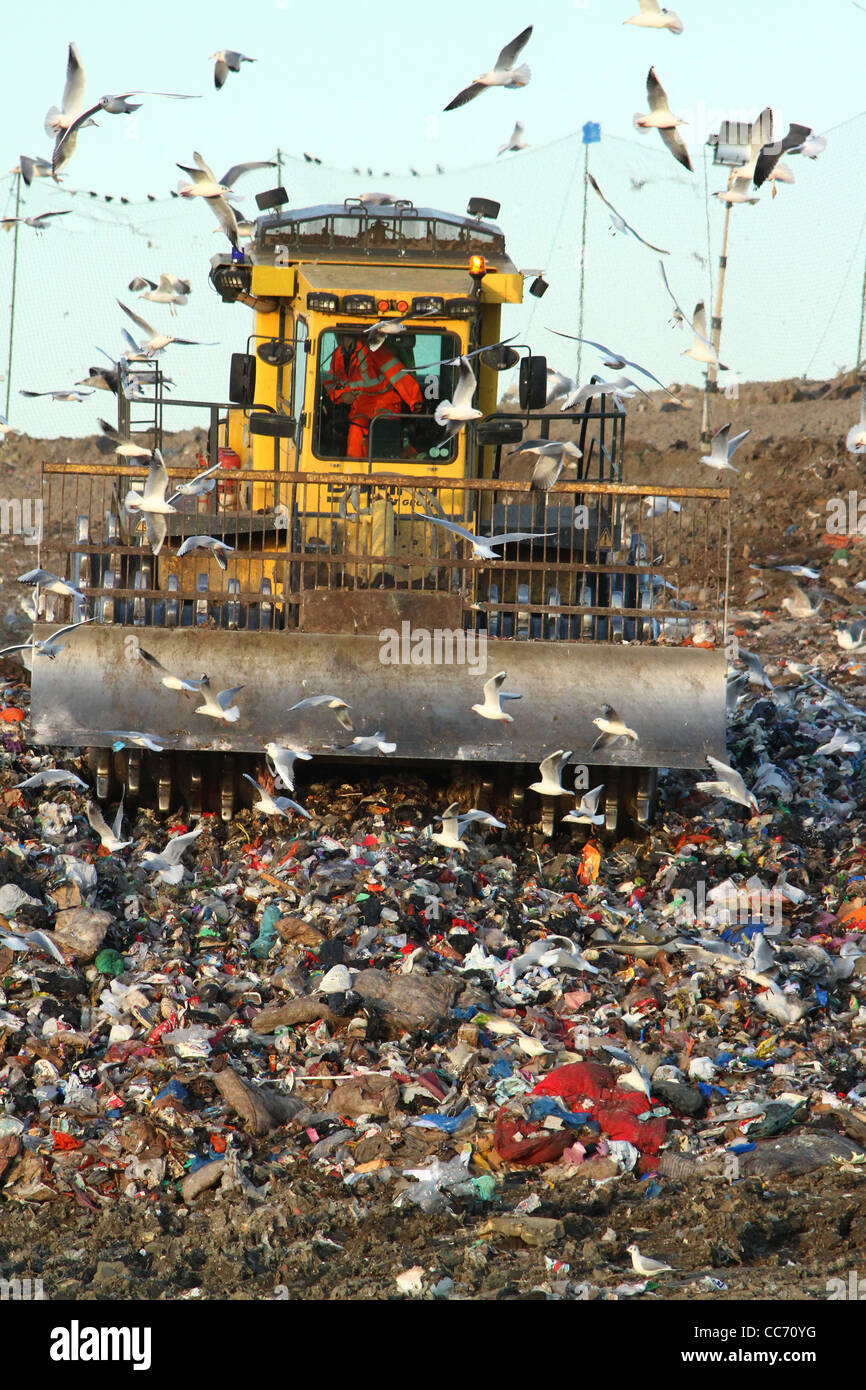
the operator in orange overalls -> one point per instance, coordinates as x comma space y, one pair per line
371, 383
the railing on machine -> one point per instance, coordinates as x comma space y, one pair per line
315, 552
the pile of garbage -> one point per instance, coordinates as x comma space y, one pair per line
345, 997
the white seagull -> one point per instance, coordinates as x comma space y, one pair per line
109, 835
458, 412
702, 349
117, 104
50, 777
49, 646
124, 737
225, 61
855, 440
515, 140
642, 1264
171, 682
268, 805
152, 502
156, 340
551, 775
654, 16
493, 695
614, 359
661, 119
125, 447
218, 548
618, 222
454, 824
612, 729
168, 864
552, 455
502, 74
722, 449
483, 547
333, 702
636, 1078
370, 743
587, 813
281, 761
730, 785
219, 706
621, 388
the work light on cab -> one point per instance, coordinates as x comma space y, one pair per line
322, 303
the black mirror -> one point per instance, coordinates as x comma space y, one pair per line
539, 287
274, 426
533, 383
275, 353
272, 198
242, 379
483, 207
500, 358
500, 432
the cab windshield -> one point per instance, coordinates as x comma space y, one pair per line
379, 402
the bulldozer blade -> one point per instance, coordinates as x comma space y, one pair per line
418, 695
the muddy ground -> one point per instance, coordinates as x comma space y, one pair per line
308, 1236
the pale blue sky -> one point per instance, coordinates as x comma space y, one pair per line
365, 85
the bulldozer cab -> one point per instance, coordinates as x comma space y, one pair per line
357, 538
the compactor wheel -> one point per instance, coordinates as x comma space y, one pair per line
614, 809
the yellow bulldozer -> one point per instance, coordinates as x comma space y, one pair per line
353, 556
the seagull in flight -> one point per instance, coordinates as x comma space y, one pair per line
552, 454
723, 449
64, 395
661, 119
770, 154
157, 340
171, 682
340, 708
618, 222
730, 785
281, 761
32, 167
493, 697
50, 777
483, 547
109, 835
458, 412
613, 359
454, 824
49, 646
587, 813
268, 805
58, 121
551, 775
515, 141
112, 105
168, 864
219, 706
654, 16
125, 447
612, 729
152, 502
218, 548
622, 388
502, 74
225, 61
205, 184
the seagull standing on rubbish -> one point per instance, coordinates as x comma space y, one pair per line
493, 696
642, 1264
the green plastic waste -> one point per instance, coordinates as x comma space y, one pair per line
110, 962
